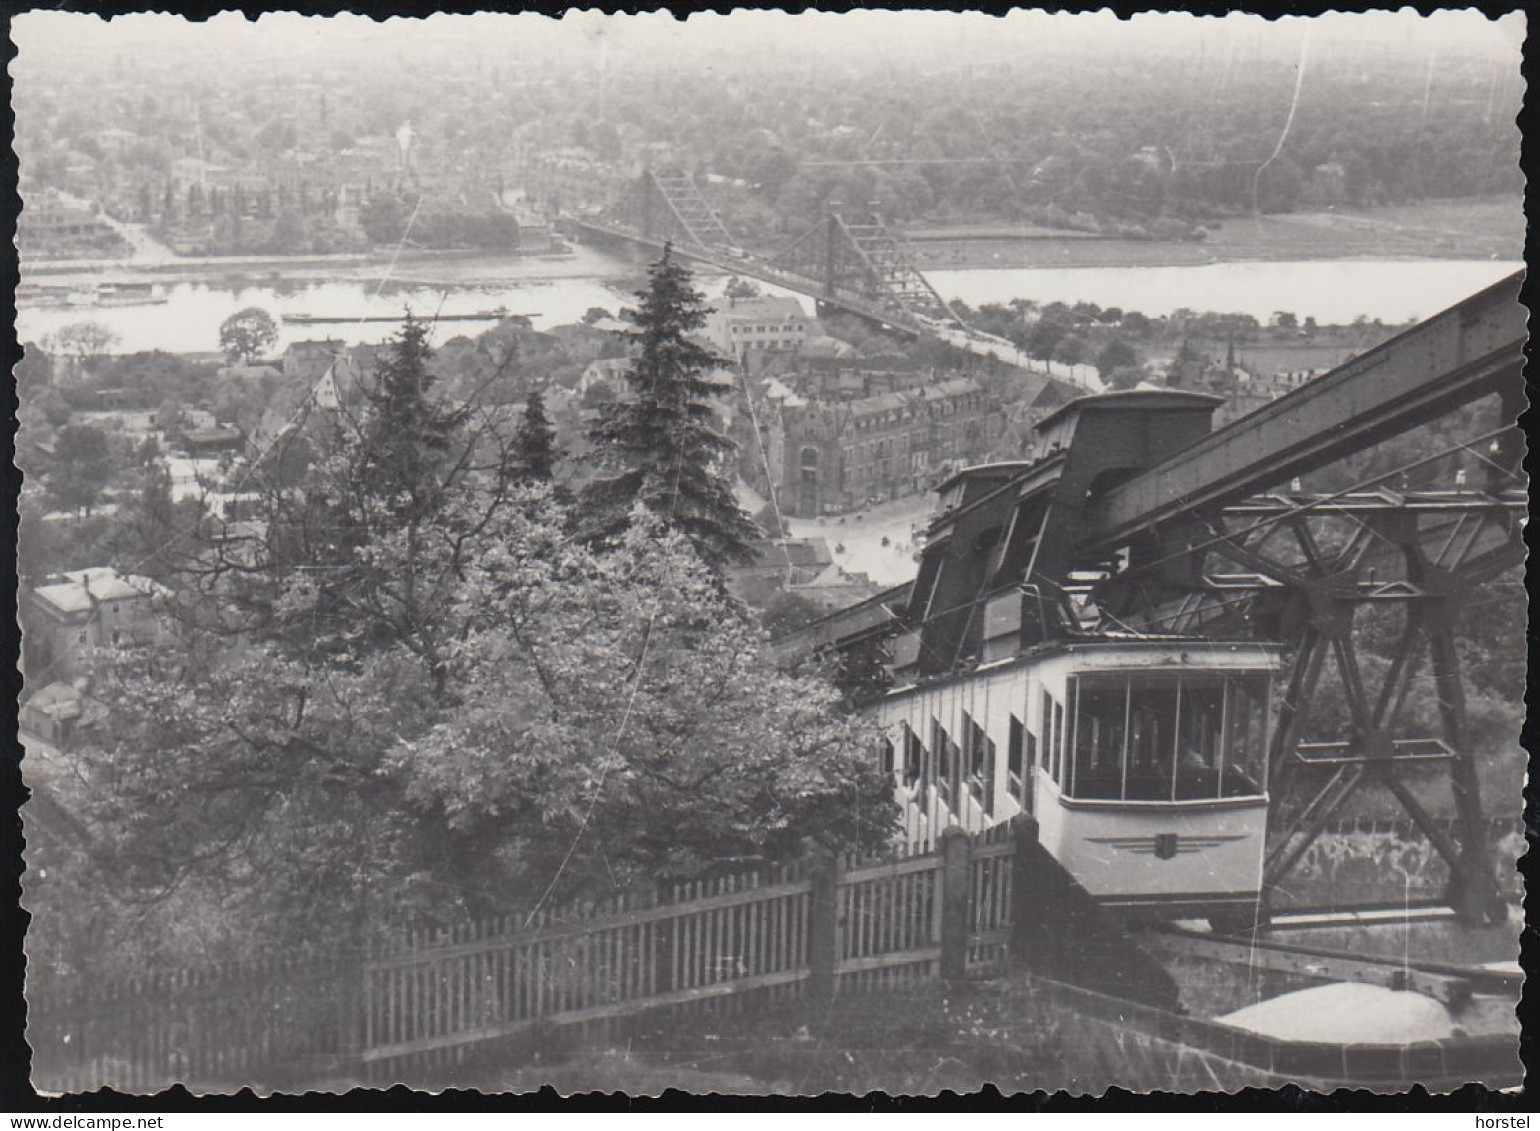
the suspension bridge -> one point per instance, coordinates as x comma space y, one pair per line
857, 265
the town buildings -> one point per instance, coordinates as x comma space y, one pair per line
608, 371
1254, 373
79, 614
802, 566
743, 326
308, 361
51, 226
846, 439
57, 714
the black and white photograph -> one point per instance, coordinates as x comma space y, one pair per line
770, 554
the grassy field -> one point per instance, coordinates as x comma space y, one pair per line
919, 1040
1459, 229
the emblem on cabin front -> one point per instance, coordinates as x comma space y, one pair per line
1164, 846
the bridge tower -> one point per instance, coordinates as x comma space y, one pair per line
666, 206
863, 258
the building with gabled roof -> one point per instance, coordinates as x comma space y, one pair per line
308, 361
830, 456
77, 615
749, 325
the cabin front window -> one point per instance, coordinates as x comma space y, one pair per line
1168, 738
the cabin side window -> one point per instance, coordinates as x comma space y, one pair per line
1053, 737
1168, 738
1244, 769
1058, 743
1029, 780
1015, 750
978, 755
941, 755
1047, 724
914, 757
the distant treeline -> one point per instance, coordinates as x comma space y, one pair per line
1109, 146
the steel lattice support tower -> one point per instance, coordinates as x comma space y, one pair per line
1165, 528
666, 206
864, 259
1313, 566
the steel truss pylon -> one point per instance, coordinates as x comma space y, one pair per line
1423, 553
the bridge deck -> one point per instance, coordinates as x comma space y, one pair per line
972, 341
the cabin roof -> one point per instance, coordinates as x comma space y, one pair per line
1002, 468
1091, 641
1143, 399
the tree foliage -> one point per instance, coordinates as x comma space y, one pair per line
422, 698
81, 468
535, 441
86, 343
247, 334
1118, 364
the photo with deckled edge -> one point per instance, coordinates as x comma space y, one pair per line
770, 554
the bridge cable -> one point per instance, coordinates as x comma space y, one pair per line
775, 507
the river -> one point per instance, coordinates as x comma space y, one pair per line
553, 293
1330, 291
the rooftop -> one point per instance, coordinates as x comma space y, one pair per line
884, 402
1002, 469
219, 433
1143, 399
81, 590
764, 307
804, 553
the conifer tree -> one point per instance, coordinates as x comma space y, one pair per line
534, 444
660, 445
408, 430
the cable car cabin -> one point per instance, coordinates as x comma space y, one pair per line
1143, 760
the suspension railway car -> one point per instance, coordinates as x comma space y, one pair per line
1142, 757
1143, 761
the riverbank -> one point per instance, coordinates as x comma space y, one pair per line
411, 268
1460, 229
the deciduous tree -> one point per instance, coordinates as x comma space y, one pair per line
247, 334
422, 697
1117, 362
1043, 340
81, 467
85, 343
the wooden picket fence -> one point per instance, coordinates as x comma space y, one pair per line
229, 1022
822, 926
